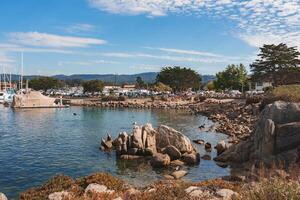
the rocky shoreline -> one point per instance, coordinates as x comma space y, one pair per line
233, 117
106, 187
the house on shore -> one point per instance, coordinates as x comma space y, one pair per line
259, 85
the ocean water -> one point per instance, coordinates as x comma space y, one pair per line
36, 144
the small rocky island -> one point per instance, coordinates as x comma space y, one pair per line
161, 147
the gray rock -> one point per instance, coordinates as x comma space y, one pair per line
94, 188
179, 174
137, 141
221, 147
149, 138
191, 159
276, 138
172, 151
160, 160
130, 157
208, 147
133, 151
177, 163
106, 144
2, 196
226, 194
169, 136
58, 195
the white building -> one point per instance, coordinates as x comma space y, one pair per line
259, 86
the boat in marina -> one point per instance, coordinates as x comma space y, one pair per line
35, 99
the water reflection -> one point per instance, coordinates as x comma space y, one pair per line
36, 144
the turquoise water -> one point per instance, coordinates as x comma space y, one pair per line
36, 144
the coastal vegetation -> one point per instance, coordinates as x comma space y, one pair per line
45, 83
179, 79
234, 77
93, 86
274, 62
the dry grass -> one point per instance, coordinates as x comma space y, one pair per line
288, 92
273, 189
64, 183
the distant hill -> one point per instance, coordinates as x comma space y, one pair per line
120, 78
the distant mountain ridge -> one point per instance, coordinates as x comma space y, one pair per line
148, 77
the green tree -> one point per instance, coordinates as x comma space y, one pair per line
139, 82
93, 86
233, 77
160, 87
179, 79
273, 61
45, 83
210, 85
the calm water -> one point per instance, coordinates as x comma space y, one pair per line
38, 144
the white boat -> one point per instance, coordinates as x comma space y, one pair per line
2, 96
35, 99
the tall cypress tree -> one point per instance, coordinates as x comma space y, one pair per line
275, 60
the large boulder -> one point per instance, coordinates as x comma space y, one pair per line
168, 136
121, 143
276, 138
160, 160
2, 196
191, 158
149, 139
172, 151
221, 147
137, 141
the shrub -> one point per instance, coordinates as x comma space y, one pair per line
200, 98
55, 184
289, 93
273, 189
109, 98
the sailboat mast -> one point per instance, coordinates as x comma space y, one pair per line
22, 68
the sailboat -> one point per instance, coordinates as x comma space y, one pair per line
6, 90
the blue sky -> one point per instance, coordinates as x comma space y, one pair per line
134, 36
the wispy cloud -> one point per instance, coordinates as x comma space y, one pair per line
51, 40
86, 63
190, 58
7, 47
78, 28
275, 20
144, 67
5, 59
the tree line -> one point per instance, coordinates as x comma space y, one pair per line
278, 64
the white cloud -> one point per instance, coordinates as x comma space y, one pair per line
51, 40
86, 63
193, 59
79, 27
273, 19
5, 59
7, 47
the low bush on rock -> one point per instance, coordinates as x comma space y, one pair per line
55, 184
288, 93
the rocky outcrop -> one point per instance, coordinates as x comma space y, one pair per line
163, 145
168, 136
2, 196
276, 138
